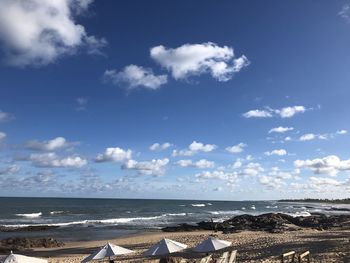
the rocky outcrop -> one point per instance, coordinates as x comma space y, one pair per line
26, 229
270, 222
19, 243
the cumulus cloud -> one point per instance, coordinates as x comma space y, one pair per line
194, 148
196, 59
51, 160
114, 154
329, 165
201, 164
279, 152
308, 137
5, 116
236, 148
271, 182
286, 112
252, 169
40, 31
281, 129
155, 167
257, 114
160, 146
2, 136
133, 76
51, 145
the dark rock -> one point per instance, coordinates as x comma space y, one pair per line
270, 222
20, 243
26, 229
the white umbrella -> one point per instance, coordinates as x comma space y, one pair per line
15, 258
164, 247
212, 244
109, 250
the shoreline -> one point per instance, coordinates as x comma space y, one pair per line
258, 239
252, 246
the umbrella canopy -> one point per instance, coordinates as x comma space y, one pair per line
164, 247
15, 258
212, 244
109, 250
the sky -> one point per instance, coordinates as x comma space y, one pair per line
228, 100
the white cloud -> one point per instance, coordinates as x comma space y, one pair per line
40, 31
160, 147
201, 164
114, 154
252, 169
133, 76
308, 137
51, 145
53, 161
236, 148
279, 152
257, 114
196, 59
2, 136
281, 129
194, 148
342, 132
329, 165
155, 167
222, 175
5, 116
286, 112
317, 181
289, 112
271, 181
324, 136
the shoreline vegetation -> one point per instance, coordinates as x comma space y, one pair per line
261, 238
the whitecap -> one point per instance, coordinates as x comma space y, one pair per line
56, 212
198, 205
32, 215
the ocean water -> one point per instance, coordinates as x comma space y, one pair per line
87, 219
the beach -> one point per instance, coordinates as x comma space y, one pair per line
259, 230
253, 246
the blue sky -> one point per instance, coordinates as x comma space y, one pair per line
161, 99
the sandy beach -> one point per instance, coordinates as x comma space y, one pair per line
253, 246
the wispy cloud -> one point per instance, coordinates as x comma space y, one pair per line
133, 76
286, 112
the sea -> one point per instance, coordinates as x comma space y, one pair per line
78, 219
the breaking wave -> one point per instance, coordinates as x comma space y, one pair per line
32, 215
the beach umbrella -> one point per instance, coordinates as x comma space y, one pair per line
212, 244
15, 258
164, 247
108, 251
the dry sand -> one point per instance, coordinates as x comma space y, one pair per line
325, 246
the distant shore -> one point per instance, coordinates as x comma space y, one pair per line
314, 200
